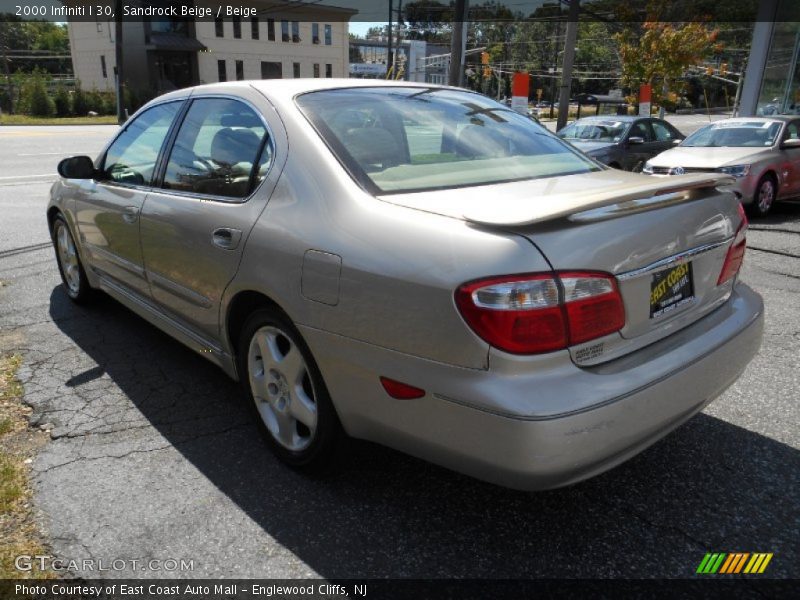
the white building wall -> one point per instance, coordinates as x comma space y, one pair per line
88, 42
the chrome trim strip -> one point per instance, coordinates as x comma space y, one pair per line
114, 259
672, 260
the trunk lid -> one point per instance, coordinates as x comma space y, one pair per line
644, 230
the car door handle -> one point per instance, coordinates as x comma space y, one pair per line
226, 238
130, 214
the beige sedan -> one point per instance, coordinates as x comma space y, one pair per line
418, 266
763, 154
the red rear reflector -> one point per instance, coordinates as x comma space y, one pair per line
537, 313
735, 256
401, 391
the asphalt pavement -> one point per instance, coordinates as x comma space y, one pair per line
153, 454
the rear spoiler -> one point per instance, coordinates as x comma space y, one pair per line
607, 204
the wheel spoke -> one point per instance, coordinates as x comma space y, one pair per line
287, 429
293, 366
303, 408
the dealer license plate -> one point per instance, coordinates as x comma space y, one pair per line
671, 289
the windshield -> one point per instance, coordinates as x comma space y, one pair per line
594, 131
404, 139
735, 134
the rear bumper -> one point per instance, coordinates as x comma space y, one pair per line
503, 426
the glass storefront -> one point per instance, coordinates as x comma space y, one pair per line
780, 79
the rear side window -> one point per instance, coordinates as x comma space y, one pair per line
222, 149
131, 159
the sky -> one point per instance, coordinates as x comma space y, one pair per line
360, 27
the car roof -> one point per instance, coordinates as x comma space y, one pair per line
289, 88
771, 119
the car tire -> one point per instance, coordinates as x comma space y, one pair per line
286, 393
69, 263
764, 197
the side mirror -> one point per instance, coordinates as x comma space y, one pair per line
636, 140
790, 143
76, 167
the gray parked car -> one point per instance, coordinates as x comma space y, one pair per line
763, 154
418, 266
621, 142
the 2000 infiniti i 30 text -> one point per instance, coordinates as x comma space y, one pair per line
418, 266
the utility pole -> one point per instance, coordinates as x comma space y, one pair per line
569, 59
390, 57
458, 44
118, 59
397, 37
9, 85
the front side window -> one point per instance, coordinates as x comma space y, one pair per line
131, 158
221, 149
662, 132
640, 129
408, 139
595, 130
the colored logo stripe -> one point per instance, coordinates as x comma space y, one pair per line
724, 563
758, 563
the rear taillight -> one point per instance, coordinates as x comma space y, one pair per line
542, 312
735, 256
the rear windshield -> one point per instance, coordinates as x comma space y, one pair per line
735, 134
406, 139
594, 131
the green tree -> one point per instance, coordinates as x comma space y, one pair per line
660, 52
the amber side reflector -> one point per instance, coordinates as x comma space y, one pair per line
401, 391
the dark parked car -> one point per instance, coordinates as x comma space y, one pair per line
621, 142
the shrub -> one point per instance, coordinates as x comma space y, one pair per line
80, 107
37, 100
62, 103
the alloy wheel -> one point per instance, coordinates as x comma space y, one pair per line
282, 388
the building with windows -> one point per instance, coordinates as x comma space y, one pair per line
284, 39
772, 79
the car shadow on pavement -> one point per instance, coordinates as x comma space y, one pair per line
710, 486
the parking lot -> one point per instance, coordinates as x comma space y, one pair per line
153, 455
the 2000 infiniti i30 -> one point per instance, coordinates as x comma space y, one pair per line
418, 266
